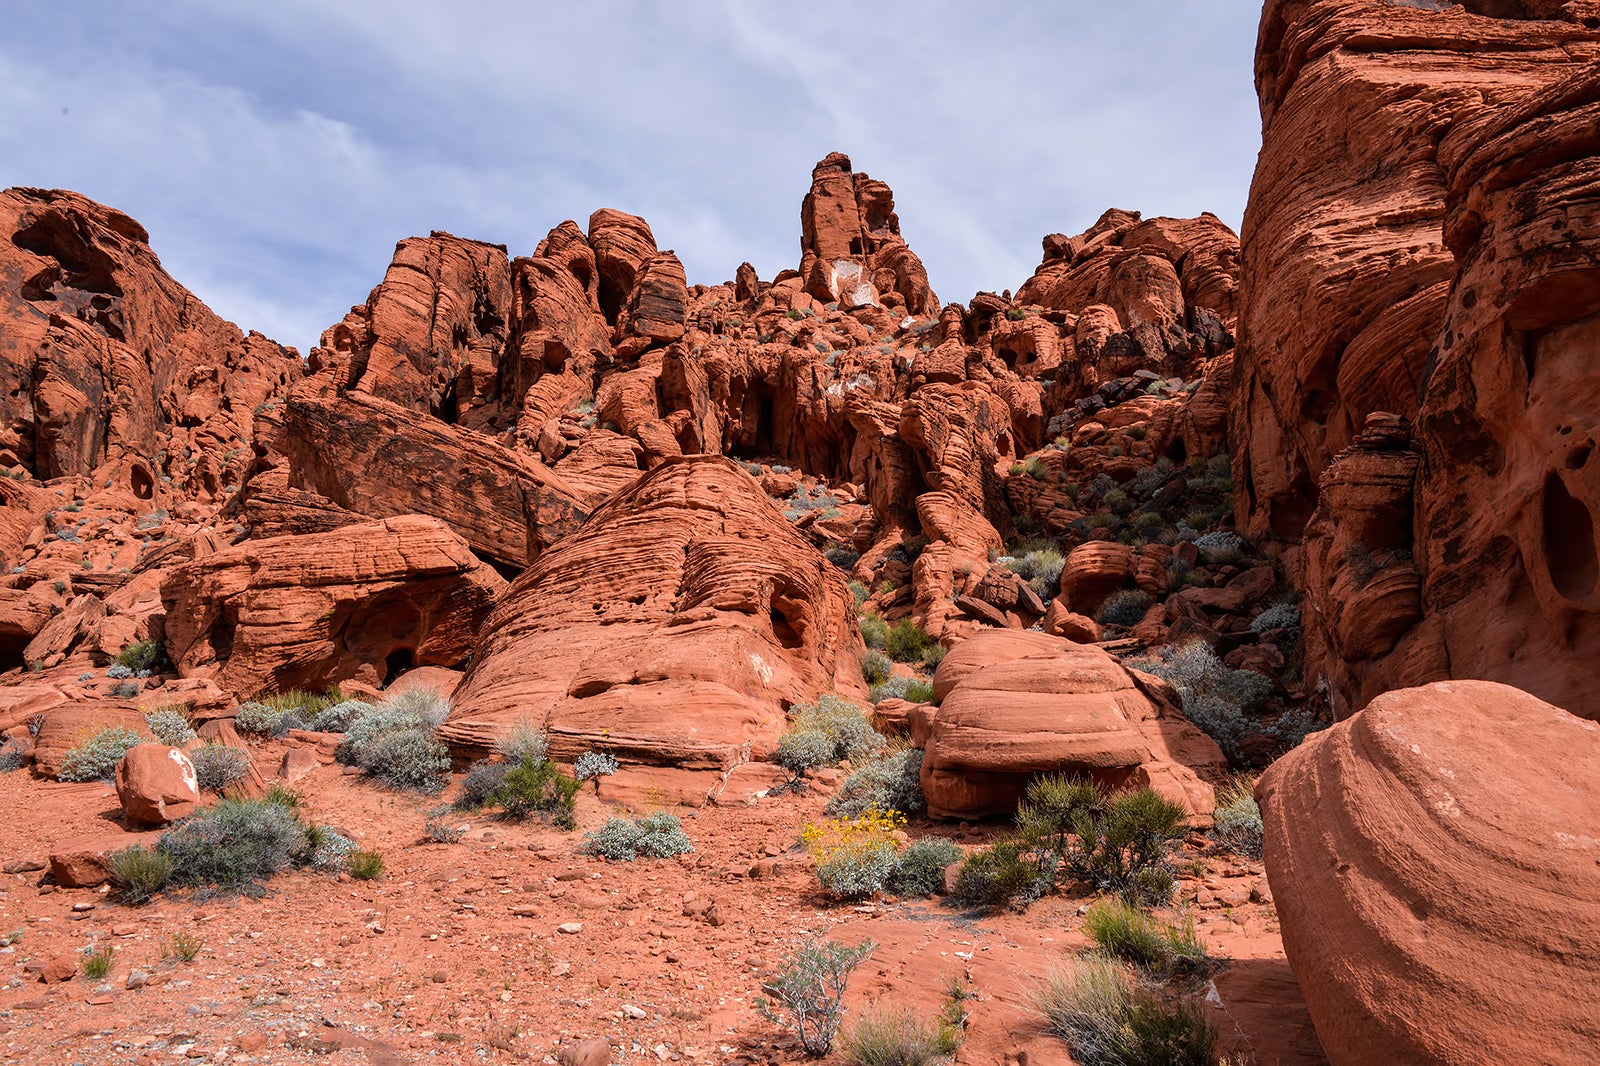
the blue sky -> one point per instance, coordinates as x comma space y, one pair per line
277, 151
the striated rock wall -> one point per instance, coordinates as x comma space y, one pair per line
1413, 407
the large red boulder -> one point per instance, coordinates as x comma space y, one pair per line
156, 784
1436, 869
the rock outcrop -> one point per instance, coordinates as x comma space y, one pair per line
361, 603
851, 249
1419, 251
674, 630
1013, 705
156, 784
1437, 873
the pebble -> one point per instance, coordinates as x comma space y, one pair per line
634, 1012
138, 979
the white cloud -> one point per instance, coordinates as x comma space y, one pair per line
276, 152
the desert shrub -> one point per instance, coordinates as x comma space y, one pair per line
1238, 819
890, 782
326, 850
999, 876
234, 845
170, 725
799, 751
538, 787
138, 873
1220, 547
657, 836
1040, 568
365, 865
1294, 725
427, 704
1123, 846
860, 593
282, 795
97, 962
440, 831
483, 781
1215, 696
876, 667
13, 756
407, 760
919, 869
125, 690
855, 856
1105, 1022
216, 766
808, 992
1124, 608
933, 655
336, 718
1284, 616
914, 689
593, 765
874, 630
906, 642
1048, 815
842, 724
844, 558
524, 742
890, 1035
257, 718
96, 758
1128, 933
144, 657
183, 947
118, 672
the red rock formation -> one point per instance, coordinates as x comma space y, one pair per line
156, 784
109, 367
1434, 868
1419, 245
360, 603
850, 243
674, 630
1013, 705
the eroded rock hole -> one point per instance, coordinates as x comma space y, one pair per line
1569, 547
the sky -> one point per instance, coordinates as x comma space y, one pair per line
277, 151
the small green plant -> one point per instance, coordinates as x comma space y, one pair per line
1105, 1022
808, 992
170, 724
1124, 608
854, 856
217, 766
538, 788
1015, 314
183, 947
1237, 819
1123, 846
283, 796
97, 962
138, 873
235, 845
919, 869
1128, 933
365, 865
1000, 876
593, 765
859, 593
441, 831
144, 657
890, 1035
906, 642
891, 782
874, 630
657, 836
875, 667
96, 758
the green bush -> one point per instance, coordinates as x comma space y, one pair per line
1128, 933
1040, 568
138, 873
891, 782
483, 781
97, 962
901, 687
170, 725
1237, 824
336, 718
524, 742
216, 766
890, 1035
800, 751
875, 667
96, 759
808, 993
407, 761
919, 869
932, 657
860, 593
365, 865
842, 724
539, 788
1105, 1022
859, 871
234, 845
1125, 608
906, 642
1124, 846
658, 836
874, 630
144, 657
997, 877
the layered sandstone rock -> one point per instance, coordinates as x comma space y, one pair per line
851, 248
674, 630
1437, 268
110, 368
1437, 876
360, 603
1013, 705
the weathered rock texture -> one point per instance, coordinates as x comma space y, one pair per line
361, 603
1420, 252
851, 248
156, 784
674, 630
1013, 705
1437, 876
111, 369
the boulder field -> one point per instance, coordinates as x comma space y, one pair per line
1318, 504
